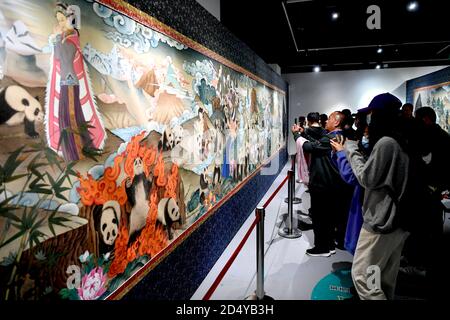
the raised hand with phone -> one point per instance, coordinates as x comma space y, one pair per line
337, 143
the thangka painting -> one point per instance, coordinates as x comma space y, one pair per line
115, 138
438, 98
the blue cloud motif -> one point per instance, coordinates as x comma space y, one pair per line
127, 133
199, 169
97, 171
109, 162
26, 199
201, 69
206, 92
131, 34
49, 205
74, 196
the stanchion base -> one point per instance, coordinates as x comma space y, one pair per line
254, 297
295, 201
296, 233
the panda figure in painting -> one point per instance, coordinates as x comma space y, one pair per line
138, 191
168, 213
18, 107
108, 225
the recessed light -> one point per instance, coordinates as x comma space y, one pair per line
378, 66
413, 6
335, 15
316, 69
380, 50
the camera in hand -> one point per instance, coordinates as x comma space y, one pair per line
338, 138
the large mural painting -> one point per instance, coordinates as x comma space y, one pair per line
115, 139
438, 98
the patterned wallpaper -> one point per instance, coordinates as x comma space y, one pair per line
192, 20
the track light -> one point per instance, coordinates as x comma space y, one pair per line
316, 69
380, 50
412, 6
335, 15
378, 66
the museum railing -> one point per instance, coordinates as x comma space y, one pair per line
259, 224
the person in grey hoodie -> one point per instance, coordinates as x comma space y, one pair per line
384, 177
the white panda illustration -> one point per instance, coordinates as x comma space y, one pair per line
171, 137
168, 213
17, 106
204, 184
109, 222
138, 192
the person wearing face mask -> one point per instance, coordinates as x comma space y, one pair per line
387, 182
365, 142
355, 218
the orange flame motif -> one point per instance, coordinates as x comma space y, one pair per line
99, 191
172, 183
159, 172
210, 201
153, 237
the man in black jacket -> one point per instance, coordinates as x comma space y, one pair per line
330, 195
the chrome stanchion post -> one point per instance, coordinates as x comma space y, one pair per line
260, 254
259, 293
295, 199
290, 231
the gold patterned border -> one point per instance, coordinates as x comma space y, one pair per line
151, 22
432, 86
149, 266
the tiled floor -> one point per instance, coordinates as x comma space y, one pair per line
289, 273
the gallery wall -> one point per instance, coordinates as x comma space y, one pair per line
325, 92
213, 7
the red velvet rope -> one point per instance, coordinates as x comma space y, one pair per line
276, 191
241, 244
230, 261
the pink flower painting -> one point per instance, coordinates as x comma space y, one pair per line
92, 285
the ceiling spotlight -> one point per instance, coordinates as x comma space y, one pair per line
413, 6
380, 50
378, 66
334, 15
316, 69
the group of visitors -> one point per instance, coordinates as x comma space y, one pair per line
375, 179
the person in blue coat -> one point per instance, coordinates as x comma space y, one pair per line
355, 218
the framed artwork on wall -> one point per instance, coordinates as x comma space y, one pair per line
437, 97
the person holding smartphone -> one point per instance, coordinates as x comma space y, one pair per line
330, 195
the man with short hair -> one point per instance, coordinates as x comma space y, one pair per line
407, 111
323, 120
330, 195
